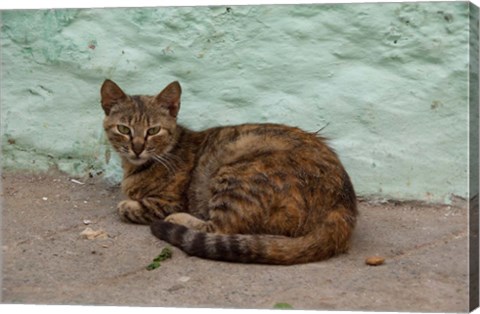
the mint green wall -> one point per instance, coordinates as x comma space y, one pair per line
389, 82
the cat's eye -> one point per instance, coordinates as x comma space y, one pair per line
123, 129
154, 130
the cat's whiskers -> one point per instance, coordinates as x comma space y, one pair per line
174, 157
173, 163
162, 163
167, 164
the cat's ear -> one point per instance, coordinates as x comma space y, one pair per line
111, 94
169, 98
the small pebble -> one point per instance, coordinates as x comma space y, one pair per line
375, 260
45, 198
184, 279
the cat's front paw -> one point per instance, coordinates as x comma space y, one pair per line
133, 211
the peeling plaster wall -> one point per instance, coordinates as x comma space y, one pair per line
389, 82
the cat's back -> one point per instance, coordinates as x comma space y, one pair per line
232, 143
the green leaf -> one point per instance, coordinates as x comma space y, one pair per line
165, 254
153, 265
283, 306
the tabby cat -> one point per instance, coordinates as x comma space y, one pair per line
252, 193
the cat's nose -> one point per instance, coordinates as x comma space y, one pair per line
138, 146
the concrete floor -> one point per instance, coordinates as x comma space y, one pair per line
46, 261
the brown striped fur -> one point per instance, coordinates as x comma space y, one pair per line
253, 193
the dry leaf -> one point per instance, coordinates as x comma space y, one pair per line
91, 234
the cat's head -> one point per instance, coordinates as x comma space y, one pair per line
140, 128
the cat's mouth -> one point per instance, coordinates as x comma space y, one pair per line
137, 160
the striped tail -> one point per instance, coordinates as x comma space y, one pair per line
331, 238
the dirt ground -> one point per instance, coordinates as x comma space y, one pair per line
46, 260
